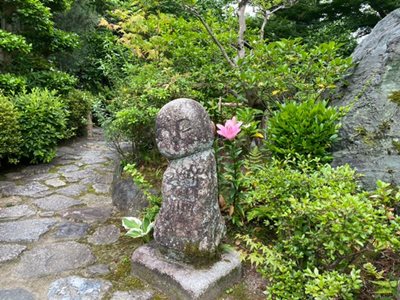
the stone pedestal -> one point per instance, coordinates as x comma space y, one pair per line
181, 281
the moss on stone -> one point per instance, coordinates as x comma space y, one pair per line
395, 97
396, 145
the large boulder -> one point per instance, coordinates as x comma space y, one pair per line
370, 136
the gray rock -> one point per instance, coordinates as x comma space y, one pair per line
89, 215
127, 197
180, 281
72, 190
372, 127
105, 235
16, 294
71, 230
10, 251
94, 157
16, 212
77, 175
30, 189
133, 295
183, 127
98, 270
101, 188
55, 182
56, 202
54, 259
76, 288
68, 169
93, 199
24, 231
190, 221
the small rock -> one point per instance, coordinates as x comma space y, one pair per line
16, 212
53, 259
72, 190
10, 251
133, 295
89, 214
105, 235
101, 188
24, 231
31, 189
72, 230
98, 270
16, 294
56, 202
46, 214
55, 182
75, 287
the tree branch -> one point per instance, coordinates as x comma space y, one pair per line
212, 35
267, 15
242, 28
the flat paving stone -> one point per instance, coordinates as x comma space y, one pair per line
67, 169
56, 202
10, 251
133, 295
71, 230
101, 188
53, 259
95, 200
30, 189
77, 175
16, 294
75, 288
72, 190
89, 214
16, 212
25, 230
94, 157
100, 269
55, 182
105, 235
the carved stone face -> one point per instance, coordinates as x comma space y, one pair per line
183, 127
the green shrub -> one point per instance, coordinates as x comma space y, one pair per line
42, 122
10, 135
307, 128
10, 83
79, 104
53, 80
318, 230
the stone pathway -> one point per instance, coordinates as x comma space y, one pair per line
60, 237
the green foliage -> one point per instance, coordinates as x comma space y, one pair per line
42, 122
10, 135
10, 83
137, 228
307, 128
79, 104
53, 80
11, 42
321, 230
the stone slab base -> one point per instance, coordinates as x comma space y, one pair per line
184, 282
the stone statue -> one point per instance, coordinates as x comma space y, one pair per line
189, 223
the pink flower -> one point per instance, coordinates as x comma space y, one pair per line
230, 130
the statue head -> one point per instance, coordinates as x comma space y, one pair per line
183, 127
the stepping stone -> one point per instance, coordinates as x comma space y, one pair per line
101, 188
98, 270
89, 214
93, 199
55, 182
56, 202
31, 189
67, 169
72, 230
72, 190
16, 212
133, 295
105, 235
53, 259
74, 288
93, 157
25, 231
10, 251
16, 294
77, 175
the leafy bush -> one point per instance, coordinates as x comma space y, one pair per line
10, 83
307, 128
53, 80
321, 230
43, 123
10, 135
79, 104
